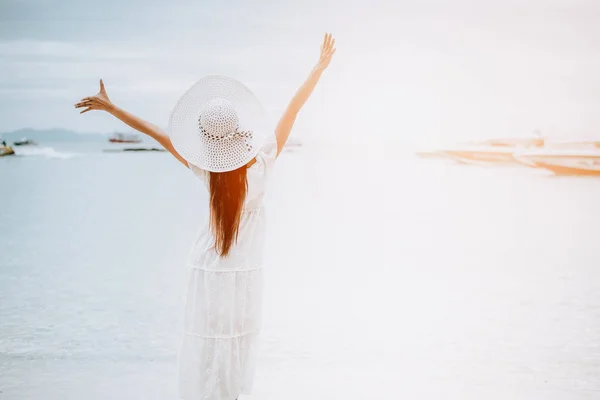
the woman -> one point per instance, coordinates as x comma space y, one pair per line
217, 129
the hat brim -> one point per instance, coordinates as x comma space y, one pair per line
223, 155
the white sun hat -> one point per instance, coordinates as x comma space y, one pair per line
218, 125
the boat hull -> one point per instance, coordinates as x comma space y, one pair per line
6, 151
564, 162
562, 169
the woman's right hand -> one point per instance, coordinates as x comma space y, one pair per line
97, 102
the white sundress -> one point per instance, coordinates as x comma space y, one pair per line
222, 320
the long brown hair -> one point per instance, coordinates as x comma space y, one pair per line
227, 196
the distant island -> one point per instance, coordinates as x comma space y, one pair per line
56, 135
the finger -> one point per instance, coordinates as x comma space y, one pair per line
332, 45
102, 86
86, 110
83, 104
327, 41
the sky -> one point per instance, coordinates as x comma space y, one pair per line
405, 70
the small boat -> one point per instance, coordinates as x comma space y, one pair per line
293, 142
144, 149
25, 142
563, 161
134, 149
125, 138
6, 151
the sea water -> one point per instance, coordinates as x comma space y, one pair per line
386, 277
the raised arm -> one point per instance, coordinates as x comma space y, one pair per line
284, 127
101, 102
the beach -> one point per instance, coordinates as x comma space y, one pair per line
385, 276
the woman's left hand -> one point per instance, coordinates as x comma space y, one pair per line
97, 102
327, 52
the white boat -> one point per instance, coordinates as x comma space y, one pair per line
563, 161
